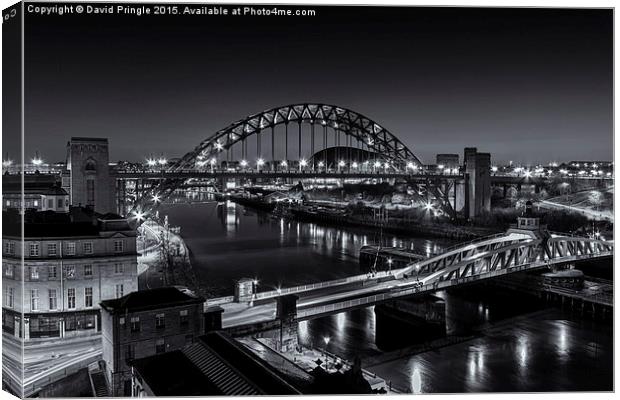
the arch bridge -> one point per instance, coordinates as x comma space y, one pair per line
306, 128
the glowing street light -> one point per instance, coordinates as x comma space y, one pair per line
155, 198
218, 146
7, 163
37, 161
138, 215
377, 164
151, 162
354, 165
244, 163
259, 163
302, 163
341, 164
494, 168
326, 340
162, 161
283, 164
321, 164
528, 173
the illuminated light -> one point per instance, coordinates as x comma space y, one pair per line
387, 164
326, 340
151, 162
244, 163
283, 163
303, 162
354, 165
279, 290
138, 215
37, 161
528, 174
455, 171
377, 164
218, 145
213, 161
581, 172
162, 161
341, 163
255, 281
321, 164
390, 261
494, 168
440, 166
156, 198
410, 165
428, 206
609, 174
7, 163
563, 171
260, 162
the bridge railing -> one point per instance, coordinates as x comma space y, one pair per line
474, 241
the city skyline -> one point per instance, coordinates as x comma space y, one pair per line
438, 79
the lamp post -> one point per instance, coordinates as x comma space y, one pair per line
326, 339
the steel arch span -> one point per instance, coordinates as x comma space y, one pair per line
368, 134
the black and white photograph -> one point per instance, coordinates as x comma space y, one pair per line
219, 199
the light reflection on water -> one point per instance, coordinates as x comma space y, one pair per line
538, 354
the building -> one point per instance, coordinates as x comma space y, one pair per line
89, 174
478, 182
42, 192
71, 261
145, 323
448, 162
215, 365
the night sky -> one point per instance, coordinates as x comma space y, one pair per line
528, 85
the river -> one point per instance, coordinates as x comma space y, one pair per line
527, 346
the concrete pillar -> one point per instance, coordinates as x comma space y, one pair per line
286, 313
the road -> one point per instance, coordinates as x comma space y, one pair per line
44, 359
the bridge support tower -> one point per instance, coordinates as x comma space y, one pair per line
477, 182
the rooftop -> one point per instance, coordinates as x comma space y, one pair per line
151, 299
79, 221
173, 374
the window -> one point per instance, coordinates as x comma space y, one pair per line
8, 270
53, 299
9, 247
88, 247
34, 272
60, 203
160, 346
34, 250
50, 203
118, 246
183, 319
88, 297
129, 352
119, 290
88, 270
34, 299
135, 324
160, 321
90, 192
52, 272
8, 300
70, 249
118, 268
71, 298
70, 271
36, 203
51, 249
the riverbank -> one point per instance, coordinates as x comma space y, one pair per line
392, 225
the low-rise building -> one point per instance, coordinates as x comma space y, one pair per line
42, 192
145, 323
71, 261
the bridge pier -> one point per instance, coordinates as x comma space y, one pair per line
409, 321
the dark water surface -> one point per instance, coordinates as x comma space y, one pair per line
528, 347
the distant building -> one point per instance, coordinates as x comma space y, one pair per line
72, 261
145, 323
448, 161
42, 192
478, 186
89, 174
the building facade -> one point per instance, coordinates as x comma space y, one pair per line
145, 323
90, 181
42, 192
72, 261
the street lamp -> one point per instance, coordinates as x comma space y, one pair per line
417, 270
389, 261
326, 340
302, 164
259, 163
283, 164
354, 165
341, 164
244, 163
155, 198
